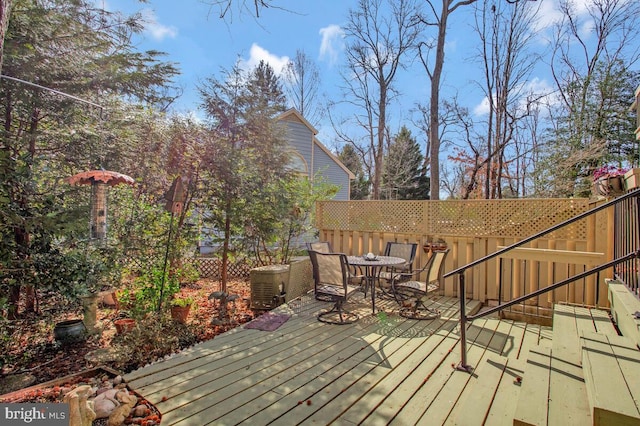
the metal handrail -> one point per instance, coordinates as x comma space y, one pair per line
462, 365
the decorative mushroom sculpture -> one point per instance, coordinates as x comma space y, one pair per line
99, 180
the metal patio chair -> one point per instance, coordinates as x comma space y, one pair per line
355, 274
320, 246
410, 294
331, 282
407, 251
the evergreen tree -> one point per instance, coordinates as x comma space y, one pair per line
597, 129
360, 185
244, 157
404, 176
85, 52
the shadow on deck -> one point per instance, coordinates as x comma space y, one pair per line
381, 369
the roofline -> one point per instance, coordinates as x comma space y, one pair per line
296, 113
333, 157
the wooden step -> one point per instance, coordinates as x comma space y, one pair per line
553, 386
612, 375
533, 402
624, 305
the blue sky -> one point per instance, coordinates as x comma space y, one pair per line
200, 43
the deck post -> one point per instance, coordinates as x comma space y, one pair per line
462, 365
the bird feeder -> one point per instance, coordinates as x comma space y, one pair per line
99, 180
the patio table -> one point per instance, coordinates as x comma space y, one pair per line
372, 269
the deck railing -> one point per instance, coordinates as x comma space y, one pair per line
472, 229
626, 247
627, 239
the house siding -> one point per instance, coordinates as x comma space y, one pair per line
302, 139
327, 166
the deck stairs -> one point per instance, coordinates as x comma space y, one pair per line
588, 374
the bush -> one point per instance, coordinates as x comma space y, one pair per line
154, 337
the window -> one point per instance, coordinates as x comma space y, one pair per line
298, 163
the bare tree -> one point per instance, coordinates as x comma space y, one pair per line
248, 7
379, 35
434, 71
584, 64
301, 83
505, 34
5, 12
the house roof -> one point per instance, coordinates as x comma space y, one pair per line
333, 157
293, 114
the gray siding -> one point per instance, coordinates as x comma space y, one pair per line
301, 139
332, 172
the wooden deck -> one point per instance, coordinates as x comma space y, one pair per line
383, 369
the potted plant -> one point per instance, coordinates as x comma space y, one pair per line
75, 273
180, 308
608, 180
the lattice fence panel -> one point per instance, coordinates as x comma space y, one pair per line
499, 218
207, 267
372, 216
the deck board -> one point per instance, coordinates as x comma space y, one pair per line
383, 369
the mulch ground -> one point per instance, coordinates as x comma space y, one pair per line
31, 347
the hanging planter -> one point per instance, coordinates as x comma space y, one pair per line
609, 186
608, 181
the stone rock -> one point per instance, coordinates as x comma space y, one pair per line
127, 402
16, 381
102, 356
105, 403
139, 411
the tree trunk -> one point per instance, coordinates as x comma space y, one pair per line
5, 12
434, 113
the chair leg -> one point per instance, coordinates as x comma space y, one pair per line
343, 316
419, 311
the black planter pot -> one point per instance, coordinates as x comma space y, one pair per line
70, 331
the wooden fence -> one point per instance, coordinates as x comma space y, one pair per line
473, 229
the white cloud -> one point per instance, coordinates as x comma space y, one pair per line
482, 108
534, 89
155, 29
332, 42
549, 14
257, 54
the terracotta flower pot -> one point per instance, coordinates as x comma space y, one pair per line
109, 298
180, 313
124, 325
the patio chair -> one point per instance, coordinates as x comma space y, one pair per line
321, 246
355, 275
411, 294
407, 251
331, 280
